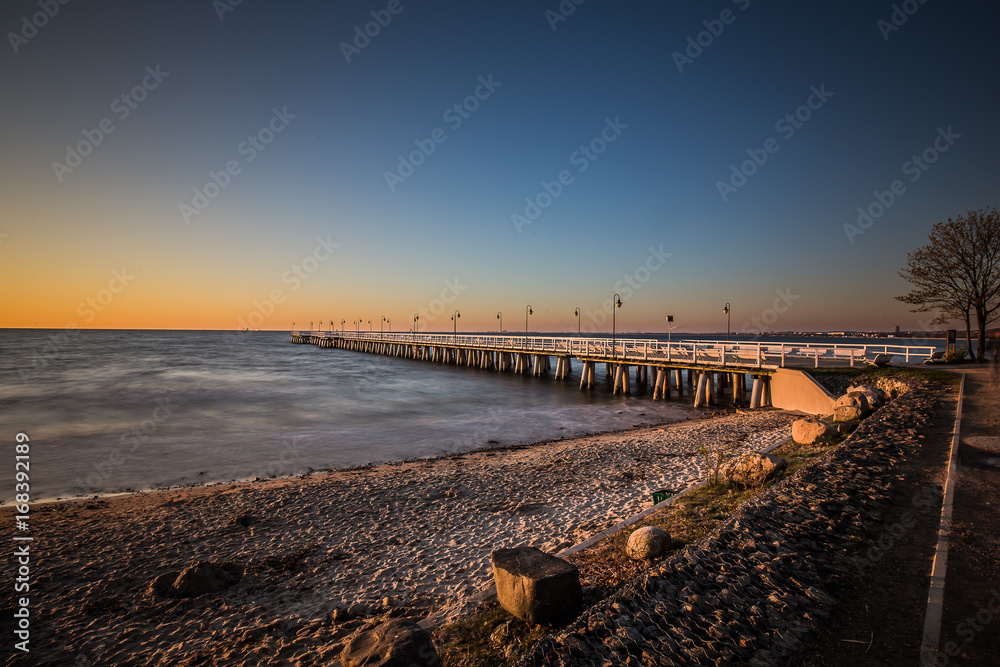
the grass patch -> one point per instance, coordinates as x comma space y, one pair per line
490, 638
494, 638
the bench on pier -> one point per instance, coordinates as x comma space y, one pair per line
879, 360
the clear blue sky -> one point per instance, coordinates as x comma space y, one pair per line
443, 238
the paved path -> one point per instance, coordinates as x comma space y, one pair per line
970, 631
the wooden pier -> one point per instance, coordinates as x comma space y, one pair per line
704, 370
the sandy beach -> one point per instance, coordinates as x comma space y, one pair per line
321, 553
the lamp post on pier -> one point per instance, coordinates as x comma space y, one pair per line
389, 320
415, 318
728, 319
342, 323
500, 317
578, 326
454, 318
527, 311
614, 346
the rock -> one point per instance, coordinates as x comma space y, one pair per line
535, 586
398, 642
811, 431
858, 400
647, 543
876, 397
199, 579
846, 413
846, 428
753, 469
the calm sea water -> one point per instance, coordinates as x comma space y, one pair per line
111, 411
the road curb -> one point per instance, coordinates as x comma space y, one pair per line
935, 597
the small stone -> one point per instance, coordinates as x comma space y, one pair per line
200, 578
647, 543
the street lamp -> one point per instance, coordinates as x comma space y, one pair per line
500, 317
369, 326
527, 311
342, 323
728, 319
577, 313
670, 320
454, 318
357, 326
310, 327
389, 320
614, 347
415, 318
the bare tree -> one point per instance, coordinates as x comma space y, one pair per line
958, 273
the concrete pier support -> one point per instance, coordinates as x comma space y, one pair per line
621, 375
701, 394
758, 387
661, 384
587, 375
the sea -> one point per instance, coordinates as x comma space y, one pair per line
128, 410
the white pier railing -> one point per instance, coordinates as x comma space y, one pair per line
756, 354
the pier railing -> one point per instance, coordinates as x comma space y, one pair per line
755, 354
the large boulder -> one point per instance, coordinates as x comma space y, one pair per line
398, 642
647, 543
858, 400
846, 413
535, 586
812, 431
753, 469
876, 397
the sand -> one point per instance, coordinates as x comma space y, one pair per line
323, 552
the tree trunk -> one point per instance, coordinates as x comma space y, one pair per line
981, 338
968, 333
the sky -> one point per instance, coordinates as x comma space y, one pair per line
219, 165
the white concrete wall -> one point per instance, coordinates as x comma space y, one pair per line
793, 389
